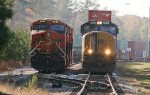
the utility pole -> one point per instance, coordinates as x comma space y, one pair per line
127, 4
124, 33
149, 34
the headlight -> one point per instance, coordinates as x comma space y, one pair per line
99, 22
107, 52
90, 51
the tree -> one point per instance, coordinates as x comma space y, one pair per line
81, 13
5, 13
64, 11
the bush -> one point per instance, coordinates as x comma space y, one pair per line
18, 46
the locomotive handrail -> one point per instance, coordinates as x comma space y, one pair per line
60, 48
84, 50
35, 47
55, 43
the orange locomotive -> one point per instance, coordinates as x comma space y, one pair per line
51, 45
99, 43
99, 49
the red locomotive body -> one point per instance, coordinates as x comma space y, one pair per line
51, 45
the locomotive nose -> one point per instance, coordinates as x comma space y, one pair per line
42, 36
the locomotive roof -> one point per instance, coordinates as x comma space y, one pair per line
50, 21
99, 23
103, 23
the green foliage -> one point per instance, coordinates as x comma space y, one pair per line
5, 10
66, 10
4, 36
32, 82
5, 13
18, 46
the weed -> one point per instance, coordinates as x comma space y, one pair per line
32, 82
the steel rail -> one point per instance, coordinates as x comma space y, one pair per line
83, 87
113, 89
54, 77
82, 83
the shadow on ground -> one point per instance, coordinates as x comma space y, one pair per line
1, 93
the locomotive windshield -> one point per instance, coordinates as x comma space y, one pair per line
41, 27
57, 28
109, 29
94, 26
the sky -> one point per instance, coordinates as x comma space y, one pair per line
134, 7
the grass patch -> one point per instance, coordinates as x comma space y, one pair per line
138, 66
136, 70
10, 90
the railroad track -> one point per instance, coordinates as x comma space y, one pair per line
87, 84
81, 84
86, 87
78, 84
